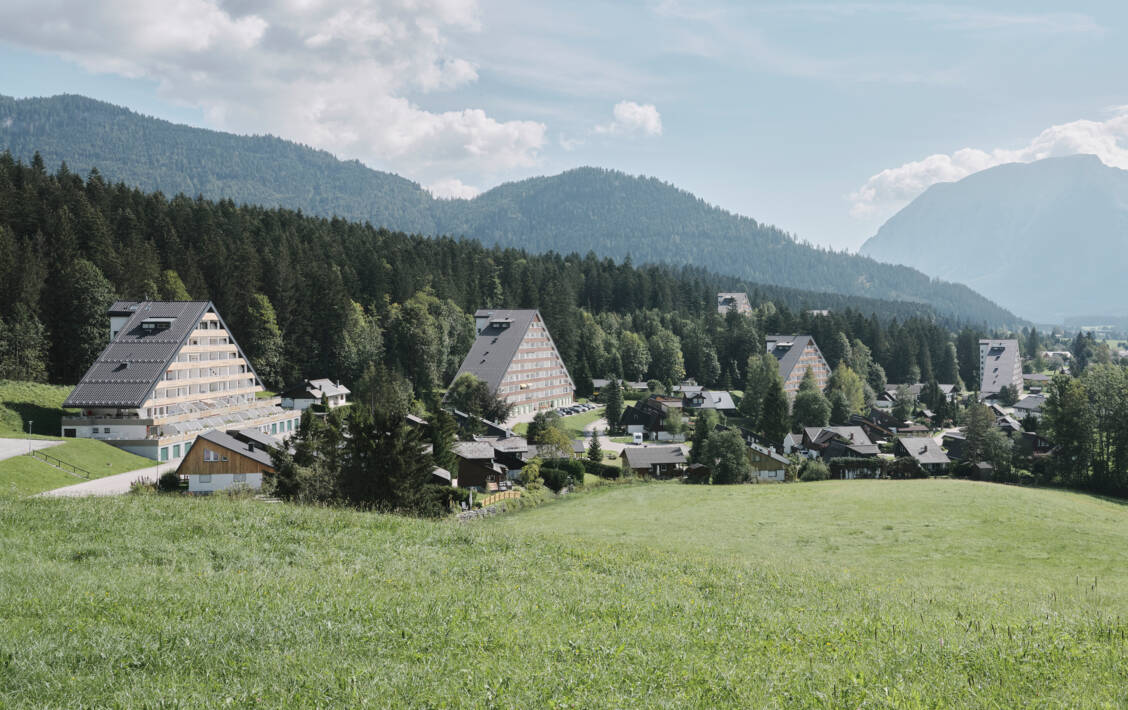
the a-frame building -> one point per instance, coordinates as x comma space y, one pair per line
172, 371
515, 356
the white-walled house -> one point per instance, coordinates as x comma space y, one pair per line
311, 392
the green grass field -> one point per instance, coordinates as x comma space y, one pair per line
23, 401
24, 475
911, 594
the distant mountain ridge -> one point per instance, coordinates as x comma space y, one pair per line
586, 209
1047, 240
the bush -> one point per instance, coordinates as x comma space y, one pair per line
555, 478
905, 467
574, 467
813, 470
169, 482
436, 501
698, 475
602, 470
859, 467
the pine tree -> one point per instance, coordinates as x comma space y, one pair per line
262, 341
614, 411
594, 450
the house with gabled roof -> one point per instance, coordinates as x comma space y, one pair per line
797, 354
310, 392
833, 442
925, 451
517, 359
171, 371
655, 461
218, 461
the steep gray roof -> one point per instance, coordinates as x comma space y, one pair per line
496, 344
647, 456
733, 300
999, 365
788, 356
775, 456
230, 443
924, 450
132, 364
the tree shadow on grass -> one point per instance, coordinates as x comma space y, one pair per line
45, 420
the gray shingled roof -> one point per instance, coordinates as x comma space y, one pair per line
130, 366
788, 356
230, 443
924, 450
495, 346
714, 400
330, 388
775, 456
647, 456
474, 450
999, 365
737, 300
1031, 403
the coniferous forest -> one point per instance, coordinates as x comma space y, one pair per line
587, 209
313, 297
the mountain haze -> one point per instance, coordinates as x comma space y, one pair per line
587, 209
1047, 239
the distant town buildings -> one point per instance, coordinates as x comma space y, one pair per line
733, 302
797, 354
515, 356
171, 372
1000, 365
313, 392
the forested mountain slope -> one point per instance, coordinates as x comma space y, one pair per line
1048, 239
608, 212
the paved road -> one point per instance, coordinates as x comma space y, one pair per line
110, 485
16, 447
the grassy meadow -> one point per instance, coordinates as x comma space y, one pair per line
24, 475
907, 594
23, 401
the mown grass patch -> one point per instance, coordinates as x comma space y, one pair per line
697, 597
39, 403
25, 475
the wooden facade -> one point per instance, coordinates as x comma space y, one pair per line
231, 460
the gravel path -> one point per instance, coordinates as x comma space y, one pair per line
17, 447
110, 485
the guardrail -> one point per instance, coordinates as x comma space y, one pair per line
59, 463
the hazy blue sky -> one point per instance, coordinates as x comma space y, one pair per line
821, 118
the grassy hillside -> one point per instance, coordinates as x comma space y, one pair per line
24, 475
605, 211
23, 401
877, 594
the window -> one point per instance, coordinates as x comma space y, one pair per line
176, 451
210, 455
205, 478
239, 478
164, 453
274, 428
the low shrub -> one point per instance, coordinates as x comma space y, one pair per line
813, 470
169, 482
574, 467
905, 467
555, 478
436, 501
602, 470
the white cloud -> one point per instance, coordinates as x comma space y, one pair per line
336, 74
633, 119
891, 189
452, 189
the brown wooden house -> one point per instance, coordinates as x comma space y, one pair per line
218, 461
